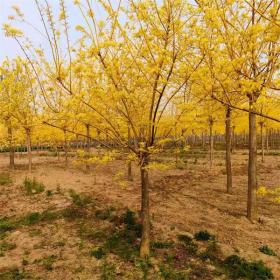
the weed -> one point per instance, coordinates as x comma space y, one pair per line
167, 272
98, 253
31, 218
36, 217
162, 244
145, 266
188, 243
79, 269
47, 262
73, 213
103, 214
266, 250
199, 272
180, 165
6, 224
32, 186
24, 262
240, 268
49, 193
14, 274
124, 241
9, 224
6, 246
59, 244
203, 235
119, 245
35, 232
3, 235
108, 271
5, 179
212, 252
132, 226
80, 200
184, 238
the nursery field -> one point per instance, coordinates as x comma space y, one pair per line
71, 223
140, 140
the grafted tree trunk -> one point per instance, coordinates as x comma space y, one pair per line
211, 122
228, 150
29, 152
88, 146
252, 165
11, 148
65, 149
145, 208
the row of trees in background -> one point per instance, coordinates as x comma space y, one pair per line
146, 73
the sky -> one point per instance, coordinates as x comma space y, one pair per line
8, 46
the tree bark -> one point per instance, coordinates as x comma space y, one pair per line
233, 144
262, 141
267, 139
202, 140
11, 148
29, 152
211, 140
65, 149
252, 166
145, 209
129, 167
88, 147
228, 150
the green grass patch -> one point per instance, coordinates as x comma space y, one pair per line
9, 224
189, 245
49, 193
203, 235
98, 253
239, 268
108, 271
120, 245
80, 200
267, 251
15, 274
212, 252
47, 262
6, 246
32, 186
168, 272
5, 179
162, 244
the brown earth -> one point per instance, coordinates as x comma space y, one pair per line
183, 200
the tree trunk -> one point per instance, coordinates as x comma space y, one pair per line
211, 140
262, 141
252, 166
29, 152
267, 139
145, 209
233, 139
65, 149
202, 140
272, 138
11, 148
88, 147
228, 150
129, 167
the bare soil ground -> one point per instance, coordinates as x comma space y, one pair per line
183, 201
